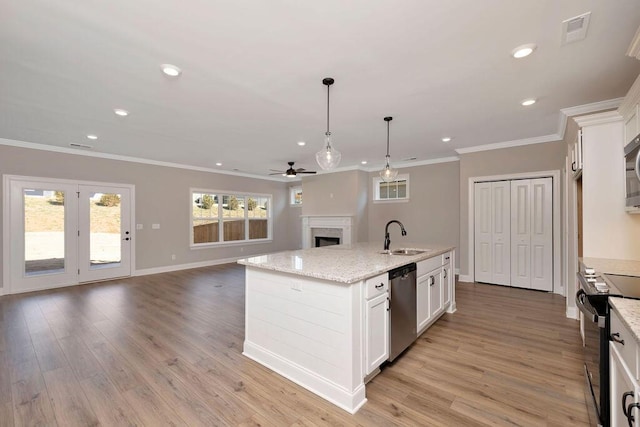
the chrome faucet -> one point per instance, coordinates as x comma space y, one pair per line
387, 242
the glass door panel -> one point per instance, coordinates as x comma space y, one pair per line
105, 236
42, 227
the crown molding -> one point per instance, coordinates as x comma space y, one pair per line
509, 144
598, 118
580, 110
634, 47
64, 150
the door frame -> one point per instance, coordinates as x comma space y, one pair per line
558, 285
7, 288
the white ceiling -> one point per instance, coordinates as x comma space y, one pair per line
252, 75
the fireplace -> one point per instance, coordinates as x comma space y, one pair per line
326, 241
327, 227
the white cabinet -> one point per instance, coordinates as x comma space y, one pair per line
623, 360
376, 322
575, 151
631, 123
434, 289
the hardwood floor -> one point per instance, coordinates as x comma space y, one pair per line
166, 350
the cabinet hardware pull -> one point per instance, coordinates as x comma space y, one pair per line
447, 257
432, 280
624, 402
616, 338
573, 166
444, 273
630, 417
380, 286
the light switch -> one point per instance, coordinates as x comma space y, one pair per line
155, 226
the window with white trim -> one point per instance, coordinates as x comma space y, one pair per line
295, 195
397, 190
244, 217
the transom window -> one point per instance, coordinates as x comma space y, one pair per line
397, 190
244, 217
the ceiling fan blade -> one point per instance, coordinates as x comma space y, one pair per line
311, 172
277, 173
300, 169
276, 170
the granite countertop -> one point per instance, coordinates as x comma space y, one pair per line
625, 267
342, 263
629, 311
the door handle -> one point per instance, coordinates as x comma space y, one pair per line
629, 415
624, 402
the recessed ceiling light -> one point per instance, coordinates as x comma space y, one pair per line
90, 136
302, 143
364, 162
446, 139
171, 70
121, 112
528, 102
218, 164
524, 50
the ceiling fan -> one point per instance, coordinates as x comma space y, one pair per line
291, 172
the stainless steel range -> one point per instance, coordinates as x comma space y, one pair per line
593, 301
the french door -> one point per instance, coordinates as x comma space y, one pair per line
62, 233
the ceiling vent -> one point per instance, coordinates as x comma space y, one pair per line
575, 29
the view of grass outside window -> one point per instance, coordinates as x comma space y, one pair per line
396, 190
243, 217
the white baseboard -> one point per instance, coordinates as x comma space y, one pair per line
178, 267
349, 401
465, 278
572, 313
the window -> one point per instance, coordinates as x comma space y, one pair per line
397, 190
295, 196
244, 217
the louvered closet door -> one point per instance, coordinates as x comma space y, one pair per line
492, 235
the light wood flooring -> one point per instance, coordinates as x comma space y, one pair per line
166, 350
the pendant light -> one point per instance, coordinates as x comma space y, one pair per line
388, 174
328, 157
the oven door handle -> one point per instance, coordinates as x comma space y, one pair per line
588, 310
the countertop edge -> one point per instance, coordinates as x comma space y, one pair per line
631, 320
401, 260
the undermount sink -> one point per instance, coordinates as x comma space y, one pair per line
403, 252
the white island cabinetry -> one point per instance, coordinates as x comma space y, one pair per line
434, 290
320, 317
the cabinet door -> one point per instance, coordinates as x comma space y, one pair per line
631, 125
377, 332
624, 393
446, 285
422, 301
435, 294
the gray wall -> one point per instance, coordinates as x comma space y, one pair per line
331, 194
432, 214
526, 158
162, 196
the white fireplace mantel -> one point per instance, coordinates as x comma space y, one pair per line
344, 223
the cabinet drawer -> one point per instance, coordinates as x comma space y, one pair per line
629, 350
446, 258
428, 265
375, 286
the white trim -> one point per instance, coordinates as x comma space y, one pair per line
558, 285
634, 46
375, 195
465, 278
334, 393
178, 267
573, 313
5, 288
509, 144
64, 150
598, 118
412, 163
344, 223
628, 106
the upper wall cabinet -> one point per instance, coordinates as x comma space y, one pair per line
575, 151
630, 112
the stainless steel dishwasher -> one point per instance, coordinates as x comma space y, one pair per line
402, 308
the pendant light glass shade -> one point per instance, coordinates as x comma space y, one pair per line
388, 174
328, 157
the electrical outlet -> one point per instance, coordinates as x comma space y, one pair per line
173, 257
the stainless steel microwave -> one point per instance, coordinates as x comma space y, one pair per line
632, 172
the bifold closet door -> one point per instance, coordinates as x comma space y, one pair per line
492, 232
532, 234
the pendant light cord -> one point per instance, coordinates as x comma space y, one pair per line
387, 139
328, 88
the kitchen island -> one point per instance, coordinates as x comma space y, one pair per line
320, 317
